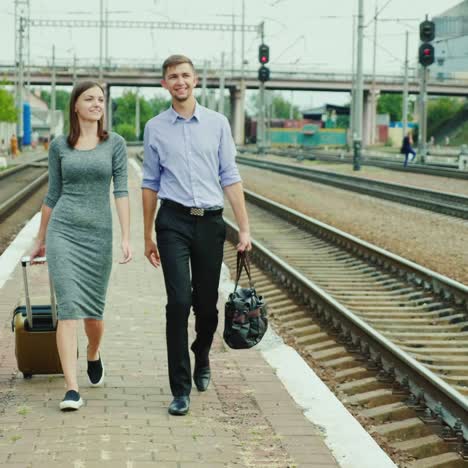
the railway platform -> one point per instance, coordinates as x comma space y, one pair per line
265, 407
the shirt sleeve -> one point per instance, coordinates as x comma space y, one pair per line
151, 165
228, 172
55, 176
120, 169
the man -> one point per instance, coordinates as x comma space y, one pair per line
189, 162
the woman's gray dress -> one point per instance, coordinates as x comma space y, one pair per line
79, 233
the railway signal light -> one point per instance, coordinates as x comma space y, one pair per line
263, 54
263, 74
427, 31
426, 49
426, 54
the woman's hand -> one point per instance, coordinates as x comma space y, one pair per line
39, 250
126, 251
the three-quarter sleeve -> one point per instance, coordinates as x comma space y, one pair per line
55, 176
151, 164
228, 172
119, 168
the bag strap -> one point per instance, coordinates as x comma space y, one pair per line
243, 264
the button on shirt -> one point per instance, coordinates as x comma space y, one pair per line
189, 161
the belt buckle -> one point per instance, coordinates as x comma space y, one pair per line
197, 211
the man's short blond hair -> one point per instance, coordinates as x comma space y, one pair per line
175, 60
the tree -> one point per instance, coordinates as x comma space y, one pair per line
440, 111
8, 112
390, 103
126, 130
125, 112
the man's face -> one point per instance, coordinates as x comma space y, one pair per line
180, 81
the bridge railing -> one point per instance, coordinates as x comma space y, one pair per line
283, 73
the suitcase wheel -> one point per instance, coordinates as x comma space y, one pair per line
27, 376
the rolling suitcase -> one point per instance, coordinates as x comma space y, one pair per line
35, 330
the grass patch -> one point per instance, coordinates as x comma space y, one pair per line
23, 410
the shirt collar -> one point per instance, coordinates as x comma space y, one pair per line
175, 116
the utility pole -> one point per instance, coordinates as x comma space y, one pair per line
53, 104
422, 135
101, 33
74, 70
106, 48
373, 113
426, 58
22, 35
261, 111
291, 107
109, 108
137, 114
204, 78
221, 86
233, 45
20, 84
357, 143
240, 119
352, 113
405, 90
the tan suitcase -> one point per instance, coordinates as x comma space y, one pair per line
35, 332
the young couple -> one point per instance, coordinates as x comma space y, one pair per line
189, 162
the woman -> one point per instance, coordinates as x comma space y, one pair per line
76, 217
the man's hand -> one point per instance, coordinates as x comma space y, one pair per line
244, 242
152, 253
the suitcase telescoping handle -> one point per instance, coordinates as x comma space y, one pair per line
25, 261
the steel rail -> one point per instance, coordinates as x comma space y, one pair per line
443, 400
11, 202
439, 202
438, 170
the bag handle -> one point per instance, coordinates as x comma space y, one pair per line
25, 261
243, 264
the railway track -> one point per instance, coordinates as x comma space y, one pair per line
439, 202
18, 183
392, 335
428, 169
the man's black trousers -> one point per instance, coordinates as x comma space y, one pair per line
189, 244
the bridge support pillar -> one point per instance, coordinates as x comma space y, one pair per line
238, 114
367, 119
108, 119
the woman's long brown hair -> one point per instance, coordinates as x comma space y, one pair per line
74, 133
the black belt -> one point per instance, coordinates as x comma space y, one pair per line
191, 211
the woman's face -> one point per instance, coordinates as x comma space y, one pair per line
90, 104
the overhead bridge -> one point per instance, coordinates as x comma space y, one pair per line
280, 80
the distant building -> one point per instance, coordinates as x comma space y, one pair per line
451, 43
42, 120
326, 115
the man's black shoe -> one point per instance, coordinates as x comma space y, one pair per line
201, 377
179, 406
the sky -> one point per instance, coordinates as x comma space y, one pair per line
304, 35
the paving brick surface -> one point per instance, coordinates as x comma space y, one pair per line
246, 418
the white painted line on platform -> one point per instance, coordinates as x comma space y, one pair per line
349, 442
11, 256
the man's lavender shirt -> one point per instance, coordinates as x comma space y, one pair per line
190, 161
